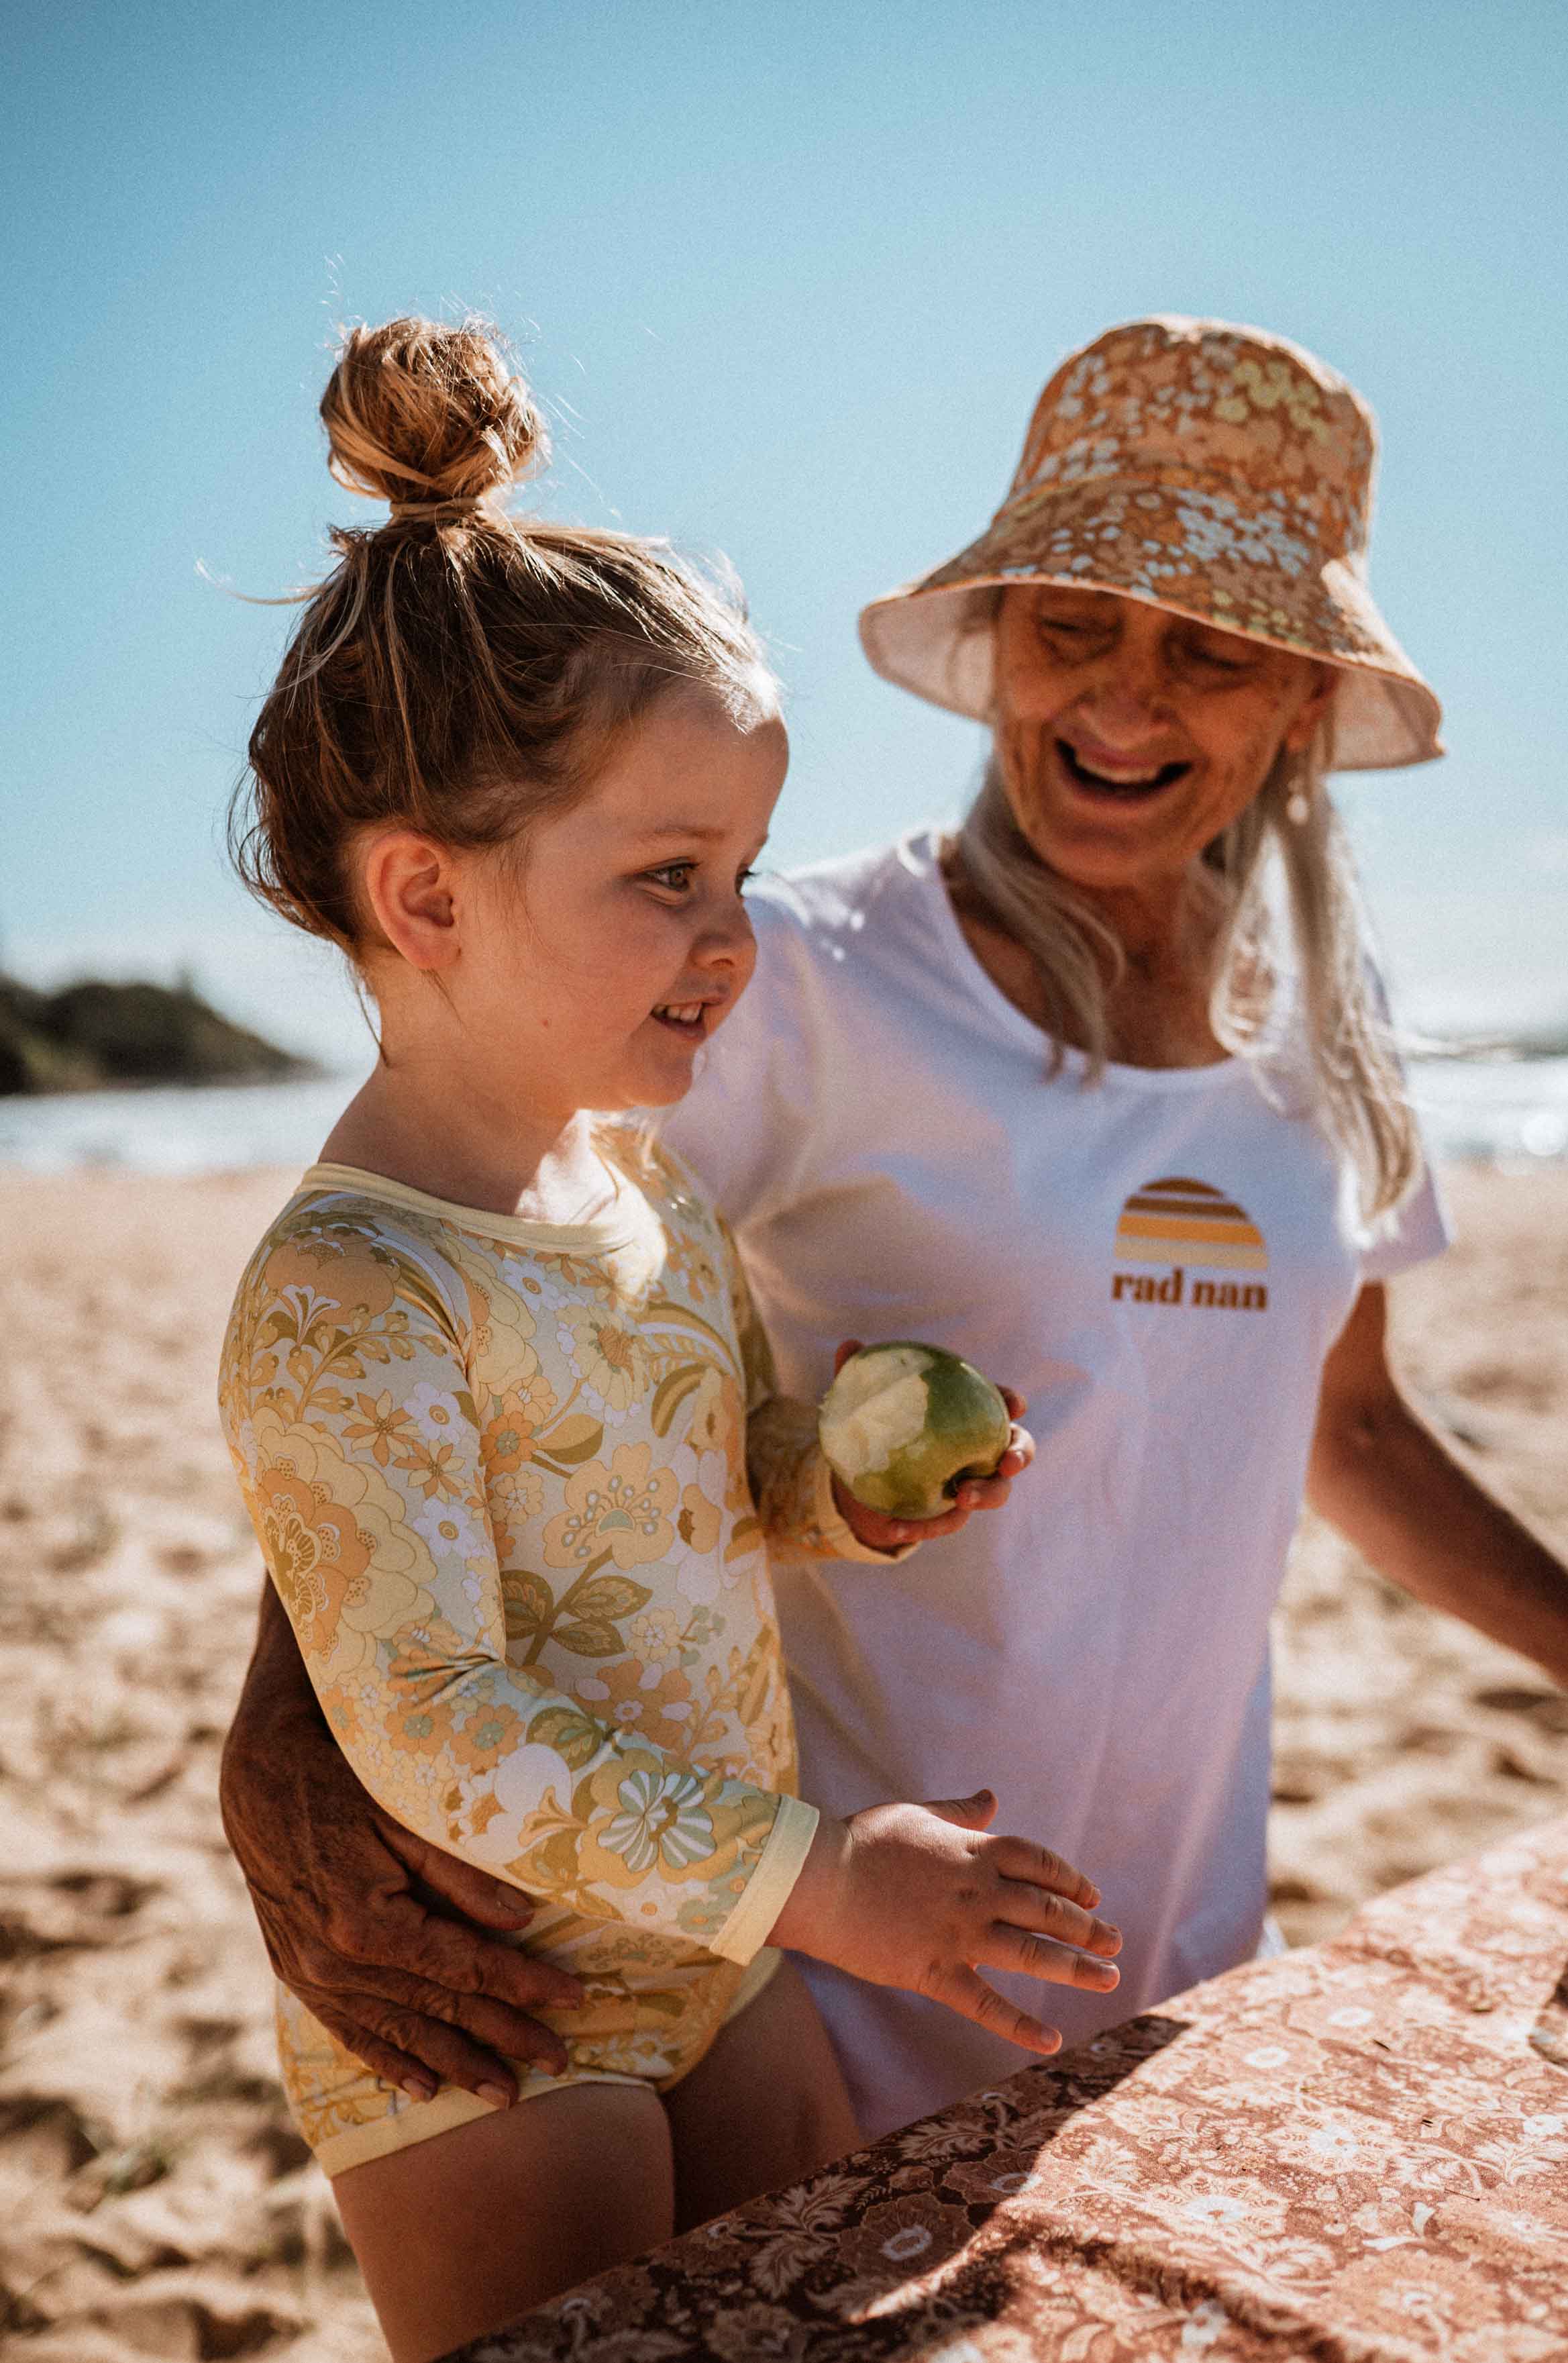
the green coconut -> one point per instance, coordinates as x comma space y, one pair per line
904, 1425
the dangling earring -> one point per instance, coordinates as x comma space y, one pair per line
1298, 804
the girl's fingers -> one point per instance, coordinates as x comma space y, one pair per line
971, 1997
990, 1492
985, 1493
1017, 1405
1036, 1866
1007, 1948
1036, 1911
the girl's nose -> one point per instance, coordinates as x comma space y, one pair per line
727, 942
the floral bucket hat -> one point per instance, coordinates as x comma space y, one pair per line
1217, 472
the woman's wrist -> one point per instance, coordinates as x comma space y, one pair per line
276, 1686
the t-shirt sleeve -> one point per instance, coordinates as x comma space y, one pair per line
350, 1409
1414, 1233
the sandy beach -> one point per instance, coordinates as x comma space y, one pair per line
154, 2198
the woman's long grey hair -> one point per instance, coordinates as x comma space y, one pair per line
1341, 1051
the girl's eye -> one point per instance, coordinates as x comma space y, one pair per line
743, 879
674, 875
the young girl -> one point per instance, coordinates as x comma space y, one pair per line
505, 1425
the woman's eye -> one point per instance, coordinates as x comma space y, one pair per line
1217, 661
1071, 640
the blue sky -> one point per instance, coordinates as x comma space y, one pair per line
787, 279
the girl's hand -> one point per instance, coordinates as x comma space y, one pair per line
918, 1896
878, 1532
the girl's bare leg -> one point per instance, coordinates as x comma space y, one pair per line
463, 2233
766, 2106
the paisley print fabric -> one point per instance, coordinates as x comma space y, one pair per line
1216, 470
499, 1472
1357, 2151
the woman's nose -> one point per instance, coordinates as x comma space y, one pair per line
1125, 715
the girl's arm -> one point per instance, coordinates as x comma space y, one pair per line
1400, 1496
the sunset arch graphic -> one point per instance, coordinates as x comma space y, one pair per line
1178, 1221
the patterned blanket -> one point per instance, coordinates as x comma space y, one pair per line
1357, 2152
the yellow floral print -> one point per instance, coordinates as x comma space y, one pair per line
620, 1512
483, 1473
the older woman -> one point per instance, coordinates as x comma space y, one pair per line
1099, 1090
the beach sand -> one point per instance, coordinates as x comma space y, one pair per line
154, 2198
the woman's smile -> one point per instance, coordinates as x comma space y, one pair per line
1096, 772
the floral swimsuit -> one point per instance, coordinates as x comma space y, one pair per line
499, 1470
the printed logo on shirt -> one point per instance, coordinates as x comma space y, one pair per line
1178, 1224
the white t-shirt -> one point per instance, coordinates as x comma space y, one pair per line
1161, 1264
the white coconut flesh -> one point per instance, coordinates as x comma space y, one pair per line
876, 1406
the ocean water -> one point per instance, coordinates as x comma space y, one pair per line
1503, 1111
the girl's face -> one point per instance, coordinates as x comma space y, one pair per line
593, 980
1129, 738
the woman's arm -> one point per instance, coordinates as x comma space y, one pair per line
349, 1902
1417, 1513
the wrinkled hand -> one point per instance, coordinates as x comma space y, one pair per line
878, 1532
919, 1896
378, 1932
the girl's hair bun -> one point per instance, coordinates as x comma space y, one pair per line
417, 412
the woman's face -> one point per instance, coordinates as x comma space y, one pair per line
1129, 738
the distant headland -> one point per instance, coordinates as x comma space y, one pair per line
94, 1035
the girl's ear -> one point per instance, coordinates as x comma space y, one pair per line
411, 887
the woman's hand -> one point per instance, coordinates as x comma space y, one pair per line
918, 1896
366, 1923
878, 1532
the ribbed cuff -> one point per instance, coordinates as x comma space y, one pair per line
746, 1931
842, 1540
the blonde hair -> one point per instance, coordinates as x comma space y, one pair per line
459, 670
1341, 1052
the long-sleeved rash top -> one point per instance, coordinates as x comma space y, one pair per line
499, 1470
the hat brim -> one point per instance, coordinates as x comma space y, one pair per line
1250, 575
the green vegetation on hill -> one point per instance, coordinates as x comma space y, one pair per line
91, 1035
